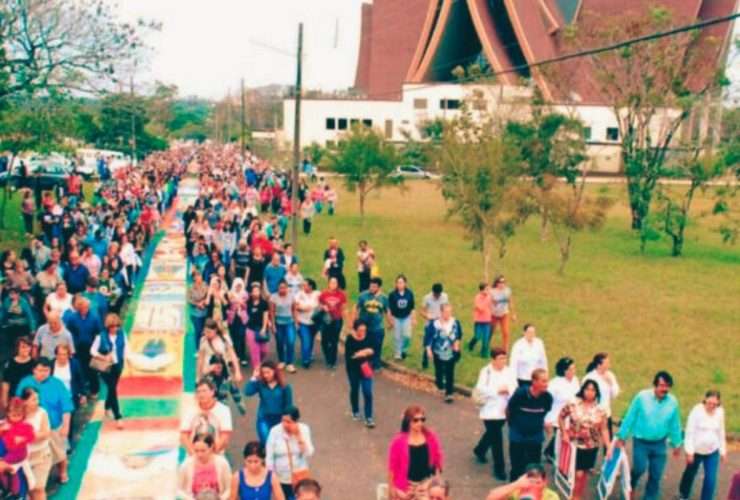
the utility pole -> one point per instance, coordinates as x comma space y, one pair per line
243, 123
297, 138
133, 122
228, 118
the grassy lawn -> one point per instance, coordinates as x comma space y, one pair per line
648, 311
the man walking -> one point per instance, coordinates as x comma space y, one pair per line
526, 412
431, 310
652, 417
371, 308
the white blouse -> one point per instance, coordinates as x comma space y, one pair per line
563, 392
705, 433
490, 383
527, 356
608, 392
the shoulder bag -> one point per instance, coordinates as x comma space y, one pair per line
296, 475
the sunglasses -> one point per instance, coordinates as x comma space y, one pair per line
419, 419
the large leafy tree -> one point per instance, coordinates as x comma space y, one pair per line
366, 161
652, 86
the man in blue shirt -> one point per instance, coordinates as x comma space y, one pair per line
652, 417
274, 274
372, 309
75, 274
84, 325
55, 398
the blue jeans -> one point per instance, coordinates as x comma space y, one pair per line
264, 424
376, 338
711, 467
306, 332
198, 324
483, 335
401, 335
357, 382
648, 456
285, 338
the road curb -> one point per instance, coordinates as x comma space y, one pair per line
399, 368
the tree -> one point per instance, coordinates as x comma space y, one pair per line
30, 125
552, 146
481, 182
366, 161
115, 125
651, 86
314, 152
63, 46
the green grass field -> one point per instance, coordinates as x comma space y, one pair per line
648, 311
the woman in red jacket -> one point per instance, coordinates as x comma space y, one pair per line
414, 457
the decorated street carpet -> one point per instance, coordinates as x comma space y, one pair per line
140, 462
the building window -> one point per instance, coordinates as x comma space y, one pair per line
389, 129
587, 133
612, 134
367, 122
449, 103
420, 104
331, 124
353, 122
342, 124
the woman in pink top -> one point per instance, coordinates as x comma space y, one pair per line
414, 457
482, 311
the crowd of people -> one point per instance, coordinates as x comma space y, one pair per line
61, 297
249, 298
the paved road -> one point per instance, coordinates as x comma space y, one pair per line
350, 459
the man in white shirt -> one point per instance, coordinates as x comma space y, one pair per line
431, 310
208, 416
527, 355
496, 383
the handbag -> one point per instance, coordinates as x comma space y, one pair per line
262, 336
296, 475
101, 364
366, 369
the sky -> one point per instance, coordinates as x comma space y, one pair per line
206, 47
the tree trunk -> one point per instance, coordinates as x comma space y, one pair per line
564, 254
486, 250
363, 194
544, 224
6, 190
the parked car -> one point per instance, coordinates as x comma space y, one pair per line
49, 176
414, 172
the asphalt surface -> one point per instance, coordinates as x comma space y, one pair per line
350, 460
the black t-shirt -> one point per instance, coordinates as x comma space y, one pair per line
13, 373
419, 469
401, 305
340, 258
255, 314
526, 415
351, 346
256, 271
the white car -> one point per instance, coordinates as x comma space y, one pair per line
414, 172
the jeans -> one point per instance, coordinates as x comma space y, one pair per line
711, 467
198, 324
28, 222
376, 337
493, 439
82, 353
306, 333
285, 340
401, 335
522, 454
483, 335
444, 374
648, 456
257, 350
363, 279
237, 329
287, 491
306, 226
264, 424
111, 382
330, 341
357, 382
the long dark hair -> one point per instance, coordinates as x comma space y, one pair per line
279, 377
599, 358
585, 385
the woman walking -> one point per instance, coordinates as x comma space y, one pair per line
527, 355
258, 322
16, 368
236, 317
333, 302
110, 347
705, 444
503, 309
414, 457
482, 314
307, 302
444, 348
563, 389
288, 448
583, 422
283, 316
402, 310
275, 396
39, 451
358, 353
197, 298
599, 371
254, 481
204, 474
496, 383
365, 262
